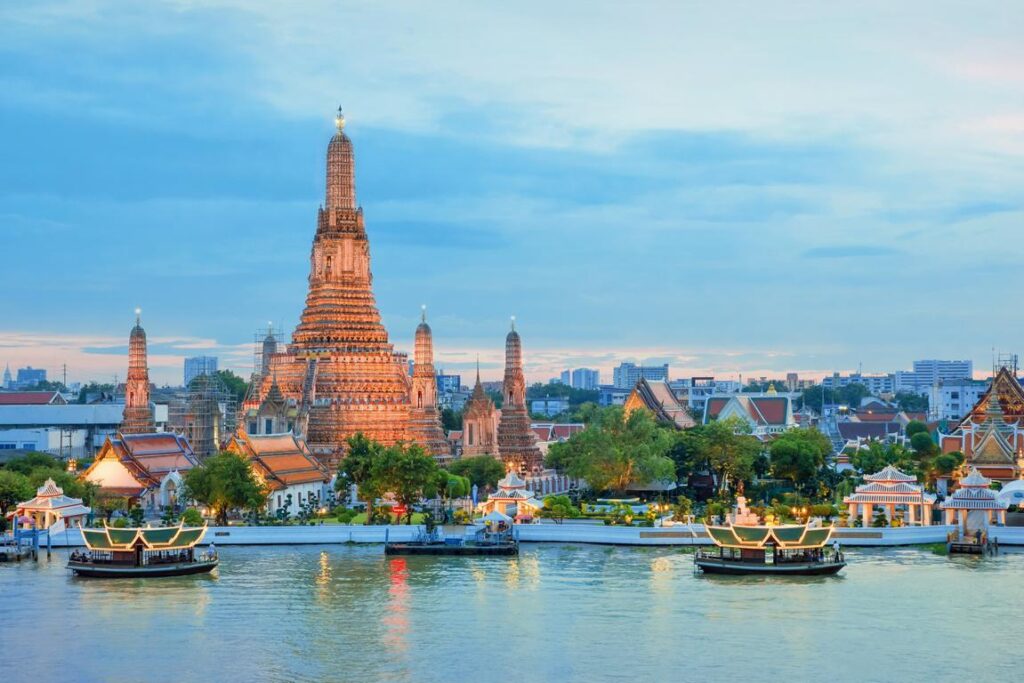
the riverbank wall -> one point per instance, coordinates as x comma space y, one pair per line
686, 535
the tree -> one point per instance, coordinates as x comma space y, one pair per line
407, 471
615, 451
484, 471
191, 517
876, 455
915, 427
798, 454
451, 419
911, 402
223, 482
32, 461
358, 468
234, 384
559, 508
727, 449
14, 488
922, 444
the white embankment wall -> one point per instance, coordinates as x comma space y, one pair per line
550, 533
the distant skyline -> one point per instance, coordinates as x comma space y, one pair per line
732, 188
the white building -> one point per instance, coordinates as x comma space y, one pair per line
626, 375
284, 463
82, 429
951, 400
585, 378
876, 384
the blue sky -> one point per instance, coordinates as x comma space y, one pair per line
729, 187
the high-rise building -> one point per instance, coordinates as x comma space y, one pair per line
626, 375
928, 372
138, 415
566, 377
585, 378
448, 384
199, 365
28, 377
8, 382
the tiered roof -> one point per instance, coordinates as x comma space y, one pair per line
659, 398
765, 411
974, 494
281, 460
157, 538
146, 457
50, 497
890, 485
788, 537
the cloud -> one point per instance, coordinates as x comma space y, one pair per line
850, 251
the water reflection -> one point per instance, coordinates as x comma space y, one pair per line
562, 613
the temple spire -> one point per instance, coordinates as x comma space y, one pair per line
341, 177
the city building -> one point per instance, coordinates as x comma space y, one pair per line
293, 477
951, 399
610, 395
8, 380
64, 431
586, 378
29, 377
626, 375
549, 406
145, 468
927, 373
424, 417
138, 414
32, 398
695, 391
876, 384
565, 378
517, 444
340, 368
448, 384
199, 365
660, 401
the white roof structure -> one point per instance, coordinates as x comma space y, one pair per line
495, 516
51, 498
1012, 493
890, 486
974, 494
72, 415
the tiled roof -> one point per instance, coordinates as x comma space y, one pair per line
30, 398
867, 430
282, 460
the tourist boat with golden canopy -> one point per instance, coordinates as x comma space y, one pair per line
142, 552
788, 550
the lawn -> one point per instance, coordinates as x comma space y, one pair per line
417, 518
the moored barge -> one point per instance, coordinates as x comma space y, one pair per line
788, 550
142, 552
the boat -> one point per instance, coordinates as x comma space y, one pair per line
493, 536
786, 550
131, 553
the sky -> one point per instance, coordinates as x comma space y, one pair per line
731, 188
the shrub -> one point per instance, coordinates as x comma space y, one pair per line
345, 515
191, 517
463, 517
120, 523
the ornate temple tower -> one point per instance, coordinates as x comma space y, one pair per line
425, 419
340, 368
138, 417
517, 444
479, 422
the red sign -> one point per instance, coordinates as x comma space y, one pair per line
399, 510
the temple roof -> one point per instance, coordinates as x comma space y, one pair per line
789, 537
659, 399
974, 494
51, 497
156, 538
146, 457
281, 460
31, 398
890, 473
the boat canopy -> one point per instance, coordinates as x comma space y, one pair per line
788, 537
155, 538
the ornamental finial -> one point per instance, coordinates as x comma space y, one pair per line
513, 323
138, 316
423, 313
339, 120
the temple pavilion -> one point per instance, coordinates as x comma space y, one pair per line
973, 506
512, 498
891, 490
52, 510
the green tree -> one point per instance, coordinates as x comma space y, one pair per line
451, 419
876, 455
14, 488
223, 482
915, 427
923, 445
25, 464
729, 451
559, 508
406, 471
358, 468
798, 454
911, 402
191, 517
616, 451
234, 384
482, 470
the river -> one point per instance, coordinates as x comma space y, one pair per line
555, 613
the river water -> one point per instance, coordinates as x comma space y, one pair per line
555, 613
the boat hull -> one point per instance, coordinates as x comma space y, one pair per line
446, 549
715, 566
100, 571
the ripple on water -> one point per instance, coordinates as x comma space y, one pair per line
556, 612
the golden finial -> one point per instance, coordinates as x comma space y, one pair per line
339, 120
